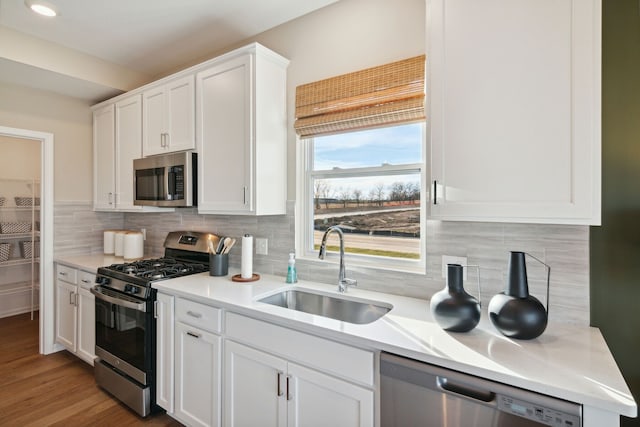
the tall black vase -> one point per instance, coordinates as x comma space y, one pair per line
453, 308
514, 312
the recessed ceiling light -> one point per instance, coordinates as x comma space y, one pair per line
41, 7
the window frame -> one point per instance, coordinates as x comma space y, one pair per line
305, 206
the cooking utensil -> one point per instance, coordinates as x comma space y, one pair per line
220, 246
228, 244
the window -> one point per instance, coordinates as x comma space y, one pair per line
362, 164
369, 183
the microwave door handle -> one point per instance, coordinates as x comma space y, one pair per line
171, 180
167, 190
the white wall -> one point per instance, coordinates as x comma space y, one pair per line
69, 120
19, 158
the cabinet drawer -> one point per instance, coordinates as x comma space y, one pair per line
342, 360
67, 274
199, 315
86, 279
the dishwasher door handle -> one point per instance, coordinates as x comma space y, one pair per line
465, 390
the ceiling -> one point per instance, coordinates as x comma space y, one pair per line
148, 37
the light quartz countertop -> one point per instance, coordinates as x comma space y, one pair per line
567, 361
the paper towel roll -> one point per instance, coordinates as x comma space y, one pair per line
119, 242
133, 245
246, 267
109, 242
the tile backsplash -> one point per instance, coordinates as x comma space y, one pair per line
564, 247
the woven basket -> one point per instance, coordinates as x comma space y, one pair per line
26, 248
2, 200
27, 201
15, 227
5, 251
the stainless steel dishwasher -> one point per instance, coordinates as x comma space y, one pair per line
414, 393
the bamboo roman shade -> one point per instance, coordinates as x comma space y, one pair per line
388, 94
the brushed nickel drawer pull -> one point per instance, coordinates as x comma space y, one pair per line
194, 314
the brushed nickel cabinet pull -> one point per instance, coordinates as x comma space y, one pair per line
194, 314
435, 192
289, 395
193, 334
279, 379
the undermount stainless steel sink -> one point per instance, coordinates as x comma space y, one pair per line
334, 307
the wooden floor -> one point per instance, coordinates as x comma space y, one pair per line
54, 390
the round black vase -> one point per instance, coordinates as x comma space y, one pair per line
453, 308
521, 318
514, 312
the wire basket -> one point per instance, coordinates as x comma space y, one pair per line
29, 248
27, 201
5, 251
15, 227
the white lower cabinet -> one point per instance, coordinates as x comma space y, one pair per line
164, 307
86, 324
75, 312
282, 393
66, 314
254, 373
197, 376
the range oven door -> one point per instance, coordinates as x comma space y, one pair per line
124, 333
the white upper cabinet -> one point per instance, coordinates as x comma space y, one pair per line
514, 90
168, 117
241, 134
104, 158
128, 148
117, 140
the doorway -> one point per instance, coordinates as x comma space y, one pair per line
45, 268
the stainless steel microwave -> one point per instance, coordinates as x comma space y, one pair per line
166, 180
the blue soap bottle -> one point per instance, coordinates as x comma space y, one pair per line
292, 275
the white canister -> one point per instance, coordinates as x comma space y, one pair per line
133, 245
119, 242
109, 242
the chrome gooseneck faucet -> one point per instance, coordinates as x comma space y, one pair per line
343, 282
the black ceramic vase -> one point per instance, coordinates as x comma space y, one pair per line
453, 308
514, 312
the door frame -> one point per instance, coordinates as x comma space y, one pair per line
47, 315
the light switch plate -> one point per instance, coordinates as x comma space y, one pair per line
262, 246
448, 259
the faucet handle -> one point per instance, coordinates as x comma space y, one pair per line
344, 284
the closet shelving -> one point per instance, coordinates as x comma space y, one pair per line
19, 246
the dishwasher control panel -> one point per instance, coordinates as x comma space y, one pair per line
537, 413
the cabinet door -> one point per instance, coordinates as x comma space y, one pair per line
255, 388
164, 309
319, 400
153, 121
515, 110
104, 158
225, 137
86, 325
180, 95
66, 314
128, 148
197, 376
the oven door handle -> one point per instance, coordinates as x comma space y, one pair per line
117, 301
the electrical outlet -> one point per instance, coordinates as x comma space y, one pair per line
448, 259
262, 246
144, 233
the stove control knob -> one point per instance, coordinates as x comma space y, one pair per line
101, 280
130, 289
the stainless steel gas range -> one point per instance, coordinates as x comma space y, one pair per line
125, 322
